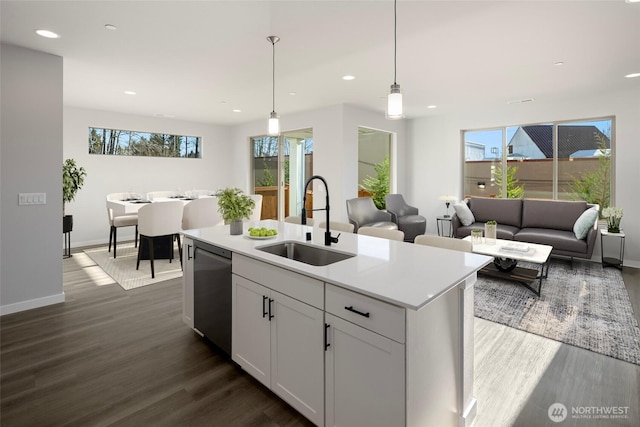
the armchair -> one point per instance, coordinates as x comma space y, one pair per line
405, 216
363, 212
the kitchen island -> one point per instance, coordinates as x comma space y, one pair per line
384, 337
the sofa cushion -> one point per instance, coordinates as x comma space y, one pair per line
585, 222
464, 213
503, 211
553, 214
561, 240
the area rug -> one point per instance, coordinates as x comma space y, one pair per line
587, 306
123, 268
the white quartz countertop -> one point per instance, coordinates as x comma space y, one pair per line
400, 273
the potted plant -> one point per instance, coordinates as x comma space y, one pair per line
234, 206
72, 181
613, 216
490, 232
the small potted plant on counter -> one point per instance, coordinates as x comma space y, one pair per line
234, 206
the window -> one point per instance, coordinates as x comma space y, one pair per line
374, 169
133, 143
558, 160
287, 160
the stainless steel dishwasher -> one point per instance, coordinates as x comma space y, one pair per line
212, 294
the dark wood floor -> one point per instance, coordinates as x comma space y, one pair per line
112, 357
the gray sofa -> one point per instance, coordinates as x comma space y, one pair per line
547, 222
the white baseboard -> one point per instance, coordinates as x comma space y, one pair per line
32, 303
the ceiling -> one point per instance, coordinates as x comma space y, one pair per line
199, 60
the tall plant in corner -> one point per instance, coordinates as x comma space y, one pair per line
72, 181
378, 187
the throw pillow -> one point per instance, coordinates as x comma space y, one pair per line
464, 213
584, 223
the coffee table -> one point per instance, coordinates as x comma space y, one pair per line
507, 253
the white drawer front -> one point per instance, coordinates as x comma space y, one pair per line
297, 286
378, 316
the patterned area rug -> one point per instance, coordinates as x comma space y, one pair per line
587, 306
123, 268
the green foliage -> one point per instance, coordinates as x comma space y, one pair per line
595, 186
378, 187
72, 181
234, 205
267, 178
613, 216
514, 191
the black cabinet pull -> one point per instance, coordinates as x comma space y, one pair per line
189, 252
264, 309
270, 315
326, 337
353, 310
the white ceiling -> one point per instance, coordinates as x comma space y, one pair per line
198, 60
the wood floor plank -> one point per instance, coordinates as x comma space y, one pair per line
109, 357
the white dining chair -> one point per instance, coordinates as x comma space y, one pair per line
385, 233
159, 220
444, 242
124, 220
296, 219
201, 213
257, 210
337, 226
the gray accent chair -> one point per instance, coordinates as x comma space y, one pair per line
406, 217
362, 212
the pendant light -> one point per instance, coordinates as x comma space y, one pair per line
394, 100
274, 122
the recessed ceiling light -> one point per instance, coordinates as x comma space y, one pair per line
110, 27
129, 92
521, 101
223, 102
237, 110
166, 116
348, 77
293, 93
632, 1
432, 106
558, 63
632, 75
48, 34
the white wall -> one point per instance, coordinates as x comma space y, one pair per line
112, 174
31, 162
433, 175
335, 145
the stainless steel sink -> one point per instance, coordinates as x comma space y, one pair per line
308, 254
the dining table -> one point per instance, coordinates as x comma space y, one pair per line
131, 206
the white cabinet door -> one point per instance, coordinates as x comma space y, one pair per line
365, 377
250, 328
187, 281
297, 356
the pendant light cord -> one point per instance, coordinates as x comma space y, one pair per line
273, 79
395, 39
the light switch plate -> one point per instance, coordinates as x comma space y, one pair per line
32, 199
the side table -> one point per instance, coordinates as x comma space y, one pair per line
611, 261
441, 221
